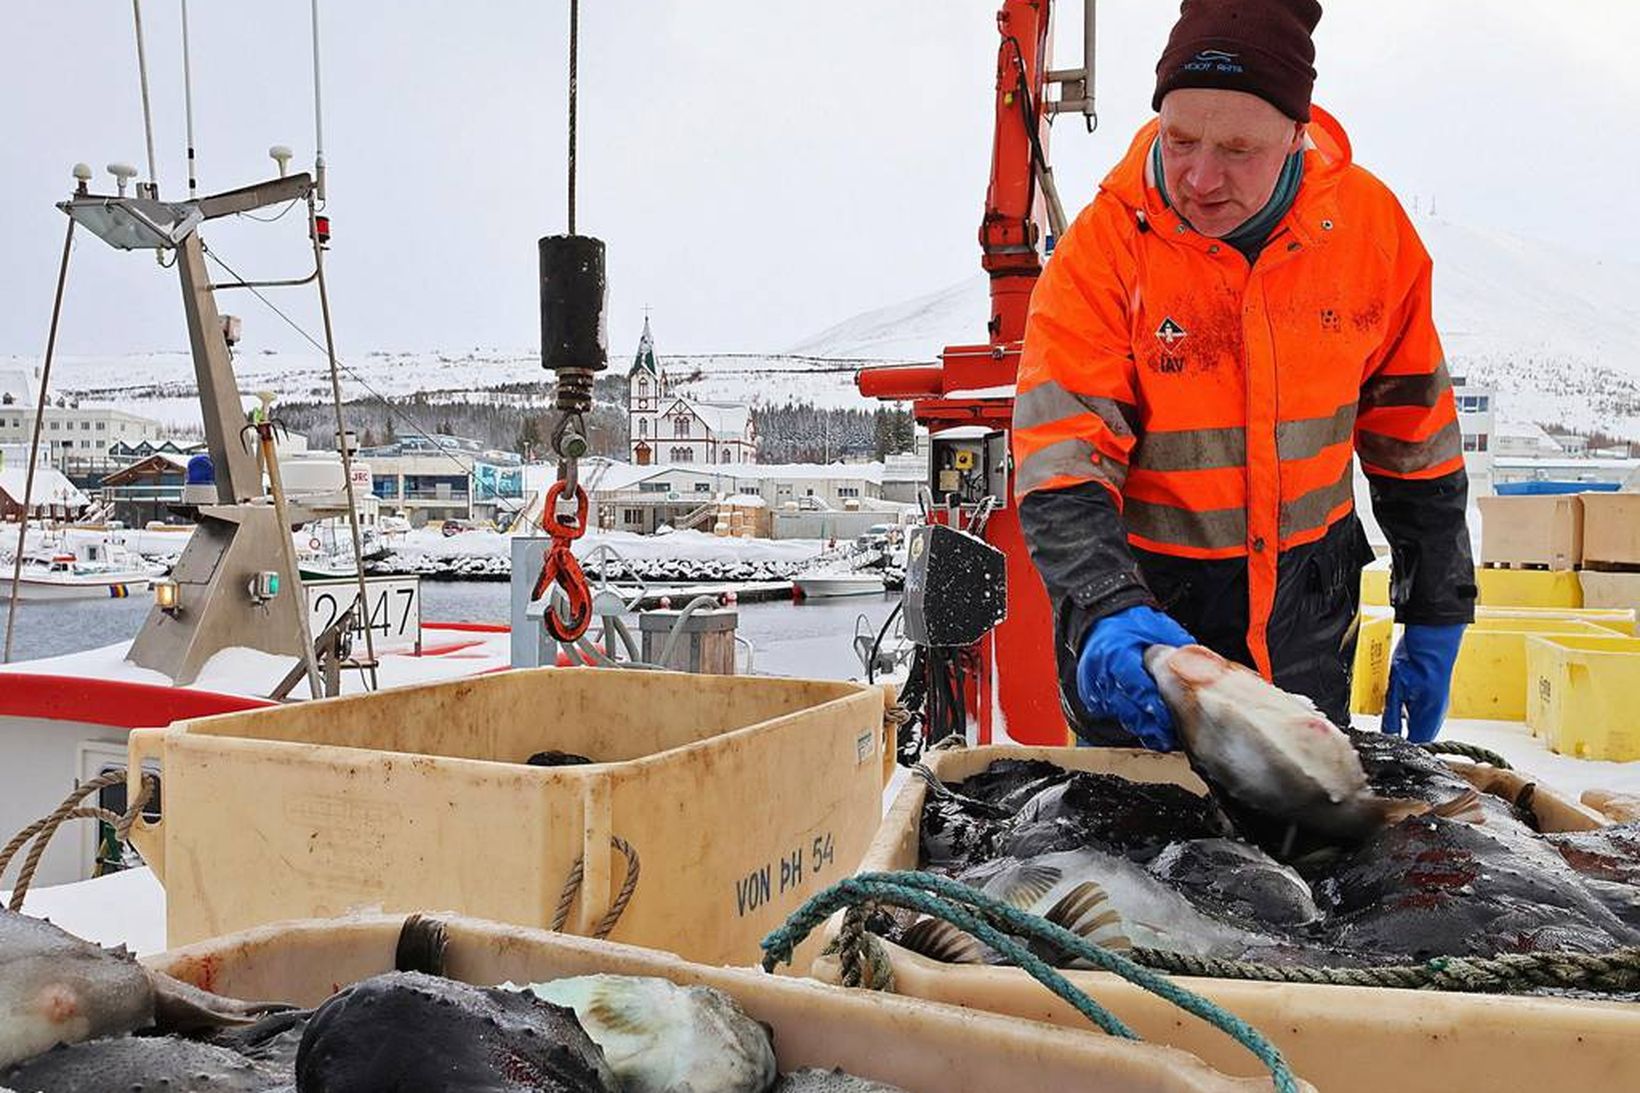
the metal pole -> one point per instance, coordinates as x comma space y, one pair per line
574, 34
34, 442
341, 442
276, 486
188, 99
147, 112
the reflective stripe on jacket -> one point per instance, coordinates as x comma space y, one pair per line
1221, 405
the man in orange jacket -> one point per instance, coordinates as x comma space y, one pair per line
1238, 315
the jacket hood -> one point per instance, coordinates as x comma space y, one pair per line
1326, 157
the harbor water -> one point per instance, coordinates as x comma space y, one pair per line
812, 639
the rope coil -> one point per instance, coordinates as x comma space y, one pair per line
572, 886
1468, 751
42, 830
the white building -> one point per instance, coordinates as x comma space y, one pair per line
69, 429
664, 426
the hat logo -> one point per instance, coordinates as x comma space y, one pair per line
1214, 60
1171, 333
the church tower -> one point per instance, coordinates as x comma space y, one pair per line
645, 388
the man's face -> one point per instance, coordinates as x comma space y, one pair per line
1222, 152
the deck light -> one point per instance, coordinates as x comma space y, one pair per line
264, 586
168, 596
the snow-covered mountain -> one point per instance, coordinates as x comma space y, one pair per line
1557, 333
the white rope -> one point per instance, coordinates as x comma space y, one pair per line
147, 112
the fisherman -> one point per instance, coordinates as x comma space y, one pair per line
1238, 314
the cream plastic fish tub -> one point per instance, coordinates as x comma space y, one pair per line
1346, 1039
921, 1047
741, 797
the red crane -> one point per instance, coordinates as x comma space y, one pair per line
967, 400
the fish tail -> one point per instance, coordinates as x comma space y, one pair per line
422, 942
1465, 807
939, 940
1086, 912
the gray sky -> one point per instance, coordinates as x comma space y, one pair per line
759, 170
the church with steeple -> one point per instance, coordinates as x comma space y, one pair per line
664, 426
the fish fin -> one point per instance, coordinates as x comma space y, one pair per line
182, 1007
939, 940
1197, 665
1465, 807
421, 947
1029, 885
1086, 912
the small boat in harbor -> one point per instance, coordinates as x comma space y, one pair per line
830, 585
89, 571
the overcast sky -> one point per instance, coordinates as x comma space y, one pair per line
759, 170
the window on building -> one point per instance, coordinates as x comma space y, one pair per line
102, 426
683, 455
643, 426
1474, 404
1474, 442
52, 425
727, 456
85, 443
680, 426
654, 487
85, 426
632, 516
703, 487
643, 386
848, 491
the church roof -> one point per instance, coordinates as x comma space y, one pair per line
645, 359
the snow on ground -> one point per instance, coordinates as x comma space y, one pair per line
683, 546
126, 908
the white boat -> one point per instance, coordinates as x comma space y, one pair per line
827, 585
88, 571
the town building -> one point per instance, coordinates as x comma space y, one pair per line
70, 431
446, 478
664, 426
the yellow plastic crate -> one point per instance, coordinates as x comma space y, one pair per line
1582, 695
742, 797
1617, 619
1371, 674
1541, 588
1489, 680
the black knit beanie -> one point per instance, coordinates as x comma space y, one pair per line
1262, 47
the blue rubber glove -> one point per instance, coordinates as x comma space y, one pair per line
1420, 680
1111, 679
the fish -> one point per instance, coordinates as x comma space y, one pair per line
140, 1064
1608, 861
1429, 886
1238, 879
1136, 819
815, 1080
394, 1031
1274, 752
659, 1037
56, 988
1009, 783
1101, 897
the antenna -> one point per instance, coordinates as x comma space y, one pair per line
280, 155
123, 173
147, 111
188, 99
318, 117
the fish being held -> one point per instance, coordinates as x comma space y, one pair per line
56, 988
1274, 752
659, 1037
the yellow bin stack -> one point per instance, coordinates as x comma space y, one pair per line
1489, 680
1581, 695
740, 798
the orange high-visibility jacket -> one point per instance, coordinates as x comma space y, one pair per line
1222, 405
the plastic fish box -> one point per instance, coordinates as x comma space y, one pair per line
1615, 618
1544, 531
1489, 679
1343, 1039
1616, 590
1611, 529
1582, 695
1369, 680
918, 1046
1542, 588
741, 796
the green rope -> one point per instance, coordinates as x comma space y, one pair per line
986, 919
1615, 972
1468, 751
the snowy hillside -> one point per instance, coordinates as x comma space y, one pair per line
1557, 333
